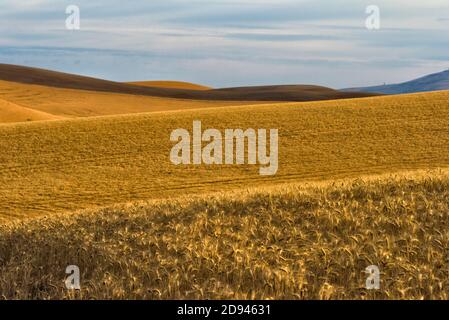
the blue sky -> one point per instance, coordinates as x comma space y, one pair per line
226, 43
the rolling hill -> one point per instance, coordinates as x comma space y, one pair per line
66, 165
73, 103
433, 82
171, 84
27, 75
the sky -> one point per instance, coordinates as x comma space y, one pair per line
226, 43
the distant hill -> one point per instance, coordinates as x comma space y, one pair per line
433, 82
171, 84
293, 93
18, 100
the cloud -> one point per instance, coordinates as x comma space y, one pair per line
280, 37
229, 42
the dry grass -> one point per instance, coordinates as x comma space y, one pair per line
66, 165
292, 242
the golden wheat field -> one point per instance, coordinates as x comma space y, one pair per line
66, 165
310, 241
360, 182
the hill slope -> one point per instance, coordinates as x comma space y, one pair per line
42, 77
433, 82
72, 103
79, 163
293, 242
171, 84
10, 112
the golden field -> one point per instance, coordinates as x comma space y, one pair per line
360, 182
66, 165
290, 242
